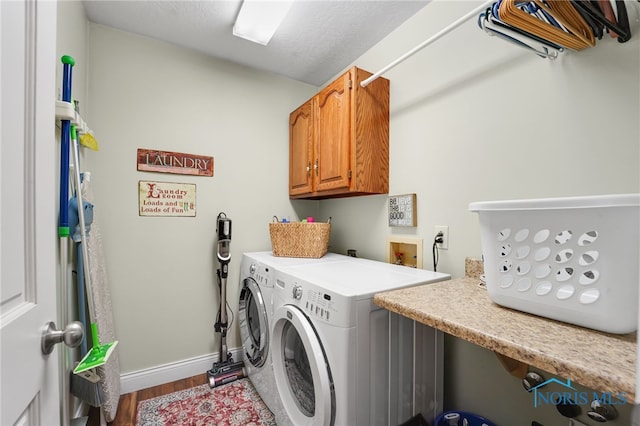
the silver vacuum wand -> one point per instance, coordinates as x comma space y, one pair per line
223, 230
226, 370
224, 243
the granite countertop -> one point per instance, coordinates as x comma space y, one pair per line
461, 307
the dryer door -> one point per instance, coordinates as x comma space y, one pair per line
254, 325
301, 370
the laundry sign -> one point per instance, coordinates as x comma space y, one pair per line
166, 199
174, 162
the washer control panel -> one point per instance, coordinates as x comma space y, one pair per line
262, 274
297, 292
316, 302
319, 304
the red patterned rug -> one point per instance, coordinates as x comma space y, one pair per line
236, 403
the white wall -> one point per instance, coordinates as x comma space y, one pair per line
474, 118
72, 28
148, 94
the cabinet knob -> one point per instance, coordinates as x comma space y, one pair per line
315, 167
309, 167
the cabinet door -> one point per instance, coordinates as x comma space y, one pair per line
300, 150
333, 135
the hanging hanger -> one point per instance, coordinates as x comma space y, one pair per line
569, 17
533, 9
623, 34
516, 36
597, 27
571, 30
623, 21
519, 15
494, 18
607, 10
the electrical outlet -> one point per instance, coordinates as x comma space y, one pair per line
445, 236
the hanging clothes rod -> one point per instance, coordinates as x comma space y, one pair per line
442, 32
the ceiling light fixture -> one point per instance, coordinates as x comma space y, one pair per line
258, 20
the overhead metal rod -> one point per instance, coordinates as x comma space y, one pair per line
430, 40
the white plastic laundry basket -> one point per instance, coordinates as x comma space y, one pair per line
572, 259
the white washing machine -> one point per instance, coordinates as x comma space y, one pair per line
255, 313
330, 343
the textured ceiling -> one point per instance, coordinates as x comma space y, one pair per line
317, 40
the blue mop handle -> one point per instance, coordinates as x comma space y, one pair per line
63, 226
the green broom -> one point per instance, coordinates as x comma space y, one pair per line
98, 354
84, 386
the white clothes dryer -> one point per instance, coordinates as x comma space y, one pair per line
255, 311
330, 343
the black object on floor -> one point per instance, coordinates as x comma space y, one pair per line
417, 420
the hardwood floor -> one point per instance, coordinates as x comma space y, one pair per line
126, 415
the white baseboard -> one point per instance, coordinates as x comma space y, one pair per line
159, 375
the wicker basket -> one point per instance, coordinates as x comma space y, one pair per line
299, 239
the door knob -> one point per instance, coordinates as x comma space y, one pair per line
71, 336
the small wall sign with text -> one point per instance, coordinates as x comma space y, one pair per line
402, 210
174, 162
166, 199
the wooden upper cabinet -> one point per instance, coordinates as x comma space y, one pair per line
341, 147
332, 143
300, 150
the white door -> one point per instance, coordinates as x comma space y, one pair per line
29, 392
